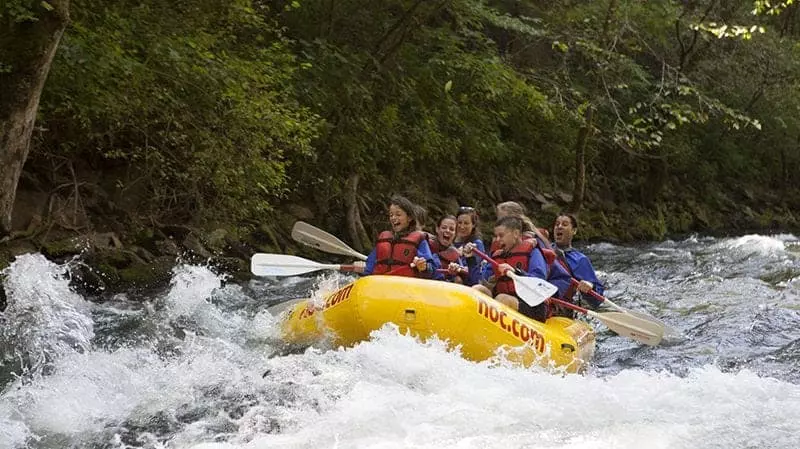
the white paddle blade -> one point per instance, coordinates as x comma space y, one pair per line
262, 264
627, 325
645, 316
533, 291
314, 237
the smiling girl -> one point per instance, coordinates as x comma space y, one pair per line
443, 250
467, 231
402, 251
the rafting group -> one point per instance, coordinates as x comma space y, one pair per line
456, 253
521, 295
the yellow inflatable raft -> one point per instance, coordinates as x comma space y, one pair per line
458, 314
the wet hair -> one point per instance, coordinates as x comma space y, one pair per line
409, 208
473, 215
446, 217
512, 208
515, 209
571, 217
511, 222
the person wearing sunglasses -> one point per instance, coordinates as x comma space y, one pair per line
403, 250
467, 231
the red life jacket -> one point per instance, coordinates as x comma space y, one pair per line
518, 257
495, 246
549, 257
544, 232
446, 255
549, 254
395, 253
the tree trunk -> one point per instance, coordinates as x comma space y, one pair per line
355, 228
27, 48
611, 13
580, 161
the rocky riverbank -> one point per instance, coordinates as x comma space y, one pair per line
108, 258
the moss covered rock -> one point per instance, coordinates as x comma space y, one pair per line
59, 249
147, 275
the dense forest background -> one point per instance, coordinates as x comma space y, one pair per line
240, 116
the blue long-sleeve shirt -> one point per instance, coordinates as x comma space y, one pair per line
473, 262
423, 250
582, 270
561, 278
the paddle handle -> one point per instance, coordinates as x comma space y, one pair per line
313, 266
446, 271
591, 292
496, 265
601, 298
569, 305
485, 257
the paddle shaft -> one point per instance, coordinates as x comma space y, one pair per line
447, 270
485, 257
496, 265
596, 295
310, 235
602, 298
619, 308
641, 330
533, 291
569, 305
341, 267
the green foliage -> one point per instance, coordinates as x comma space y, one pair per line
770, 7
725, 30
221, 110
426, 102
19, 11
196, 100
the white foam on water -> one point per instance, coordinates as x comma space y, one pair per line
390, 392
44, 318
602, 247
86, 391
756, 244
395, 392
192, 301
89, 392
786, 238
190, 289
13, 432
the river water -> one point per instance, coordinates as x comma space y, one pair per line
189, 367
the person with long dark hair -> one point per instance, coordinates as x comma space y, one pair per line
444, 252
403, 250
467, 222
